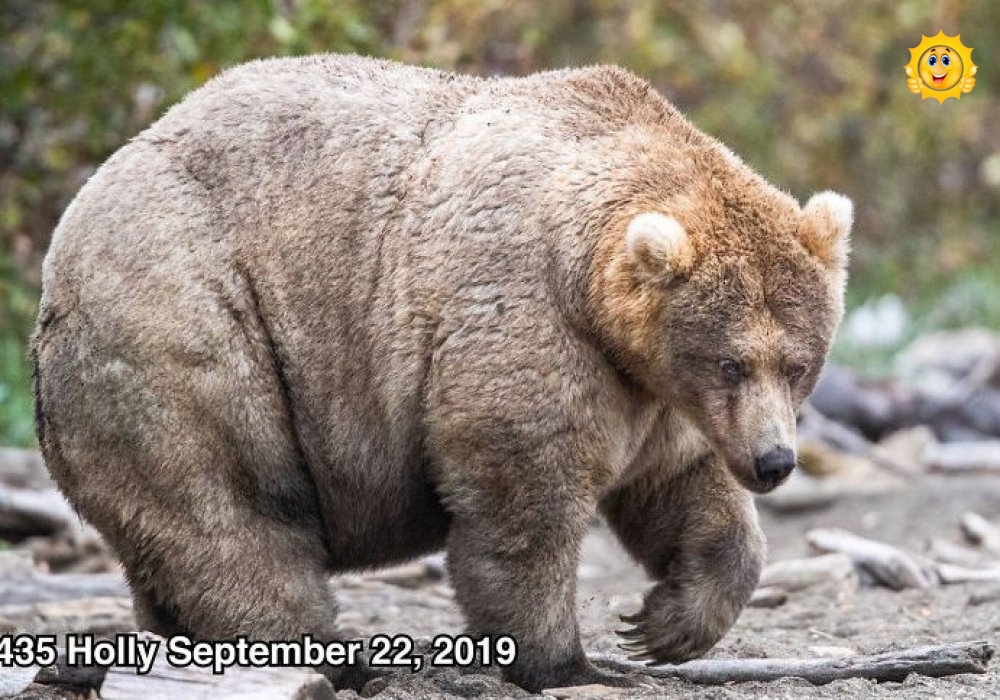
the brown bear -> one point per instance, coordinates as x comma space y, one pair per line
332, 313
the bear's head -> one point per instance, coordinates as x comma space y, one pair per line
726, 305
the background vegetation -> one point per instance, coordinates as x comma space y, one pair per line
812, 94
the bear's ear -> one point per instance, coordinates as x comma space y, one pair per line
825, 229
658, 247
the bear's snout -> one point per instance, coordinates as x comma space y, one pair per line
774, 467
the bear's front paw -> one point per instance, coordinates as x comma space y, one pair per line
669, 629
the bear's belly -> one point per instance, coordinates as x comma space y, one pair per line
383, 526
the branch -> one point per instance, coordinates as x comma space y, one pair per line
935, 661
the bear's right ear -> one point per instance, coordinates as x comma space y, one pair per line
825, 229
658, 247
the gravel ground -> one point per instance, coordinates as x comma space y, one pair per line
809, 624
871, 620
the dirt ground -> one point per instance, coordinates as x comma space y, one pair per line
871, 620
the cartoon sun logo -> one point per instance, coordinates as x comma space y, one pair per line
941, 67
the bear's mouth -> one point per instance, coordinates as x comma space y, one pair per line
938, 78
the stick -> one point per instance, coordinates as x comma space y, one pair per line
889, 565
935, 661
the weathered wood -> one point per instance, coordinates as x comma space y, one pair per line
86, 615
768, 597
166, 682
888, 565
796, 574
45, 588
935, 661
953, 573
964, 457
25, 512
981, 532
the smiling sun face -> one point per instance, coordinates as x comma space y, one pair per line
941, 68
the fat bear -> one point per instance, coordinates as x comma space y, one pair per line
331, 313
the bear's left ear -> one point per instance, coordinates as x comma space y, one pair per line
825, 229
658, 247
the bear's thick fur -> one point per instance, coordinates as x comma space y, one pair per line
331, 313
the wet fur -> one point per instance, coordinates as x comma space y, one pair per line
331, 313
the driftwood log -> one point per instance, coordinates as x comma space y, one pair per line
167, 682
886, 564
768, 597
964, 457
49, 588
948, 552
796, 574
25, 512
100, 616
953, 573
935, 660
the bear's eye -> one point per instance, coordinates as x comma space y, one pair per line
932, 61
945, 60
732, 370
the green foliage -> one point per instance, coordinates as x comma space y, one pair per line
17, 312
812, 94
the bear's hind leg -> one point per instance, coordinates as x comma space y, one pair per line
248, 577
190, 468
697, 535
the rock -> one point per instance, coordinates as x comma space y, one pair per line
907, 445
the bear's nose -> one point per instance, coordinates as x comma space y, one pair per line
775, 465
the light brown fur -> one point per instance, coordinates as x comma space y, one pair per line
331, 313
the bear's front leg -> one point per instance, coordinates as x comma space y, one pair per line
698, 536
512, 557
